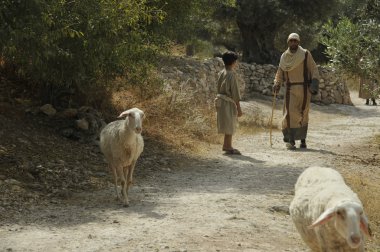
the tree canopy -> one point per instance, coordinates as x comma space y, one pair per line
353, 43
84, 44
263, 22
75, 43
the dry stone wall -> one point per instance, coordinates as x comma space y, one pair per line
184, 73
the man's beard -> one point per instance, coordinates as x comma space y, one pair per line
293, 48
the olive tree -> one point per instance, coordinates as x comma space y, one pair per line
262, 22
353, 43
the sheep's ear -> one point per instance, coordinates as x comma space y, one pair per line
323, 218
125, 113
364, 226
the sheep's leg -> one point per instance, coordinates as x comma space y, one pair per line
125, 185
130, 174
114, 172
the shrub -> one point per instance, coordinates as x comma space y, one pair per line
82, 45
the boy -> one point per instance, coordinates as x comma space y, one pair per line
228, 102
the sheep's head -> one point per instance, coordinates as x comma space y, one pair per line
349, 219
134, 117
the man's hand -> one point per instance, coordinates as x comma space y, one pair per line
276, 88
314, 86
240, 113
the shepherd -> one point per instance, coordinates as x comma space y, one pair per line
299, 74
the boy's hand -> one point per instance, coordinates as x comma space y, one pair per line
240, 113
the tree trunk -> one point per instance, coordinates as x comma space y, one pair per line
258, 46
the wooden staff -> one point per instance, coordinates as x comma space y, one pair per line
271, 118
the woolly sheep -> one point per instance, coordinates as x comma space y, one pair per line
328, 215
121, 143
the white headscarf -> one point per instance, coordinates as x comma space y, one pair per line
293, 36
290, 60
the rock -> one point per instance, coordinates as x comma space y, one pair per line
69, 113
70, 133
267, 92
347, 100
33, 110
323, 94
12, 182
82, 124
48, 109
338, 97
17, 188
30, 176
316, 98
200, 77
328, 100
280, 209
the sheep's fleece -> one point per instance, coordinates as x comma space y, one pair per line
328, 215
121, 143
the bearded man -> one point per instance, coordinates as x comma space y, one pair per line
299, 74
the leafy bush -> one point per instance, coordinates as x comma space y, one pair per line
353, 47
76, 44
201, 48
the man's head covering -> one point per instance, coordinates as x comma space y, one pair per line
290, 60
294, 36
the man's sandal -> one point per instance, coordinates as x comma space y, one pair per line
233, 152
291, 146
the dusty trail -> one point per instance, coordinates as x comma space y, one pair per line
213, 203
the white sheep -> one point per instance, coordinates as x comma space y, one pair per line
121, 143
328, 215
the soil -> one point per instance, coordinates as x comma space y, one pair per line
58, 196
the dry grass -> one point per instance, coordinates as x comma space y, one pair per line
254, 123
255, 119
178, 120
352, 83
368, 189
377, 140
184, 121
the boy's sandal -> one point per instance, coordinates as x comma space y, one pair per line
233, 152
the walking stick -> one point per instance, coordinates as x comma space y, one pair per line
271, 118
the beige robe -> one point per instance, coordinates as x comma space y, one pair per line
228, 95
297, 98
366, 87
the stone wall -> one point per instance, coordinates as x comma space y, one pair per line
186, 73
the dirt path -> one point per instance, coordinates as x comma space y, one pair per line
212, 203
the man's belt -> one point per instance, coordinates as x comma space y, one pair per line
294, 83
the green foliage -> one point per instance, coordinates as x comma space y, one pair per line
201, 48
80, 44
353, 41
188, 20
354, 48
341, 40
261, 22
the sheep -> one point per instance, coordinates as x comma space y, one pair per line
328, 215
121, 143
